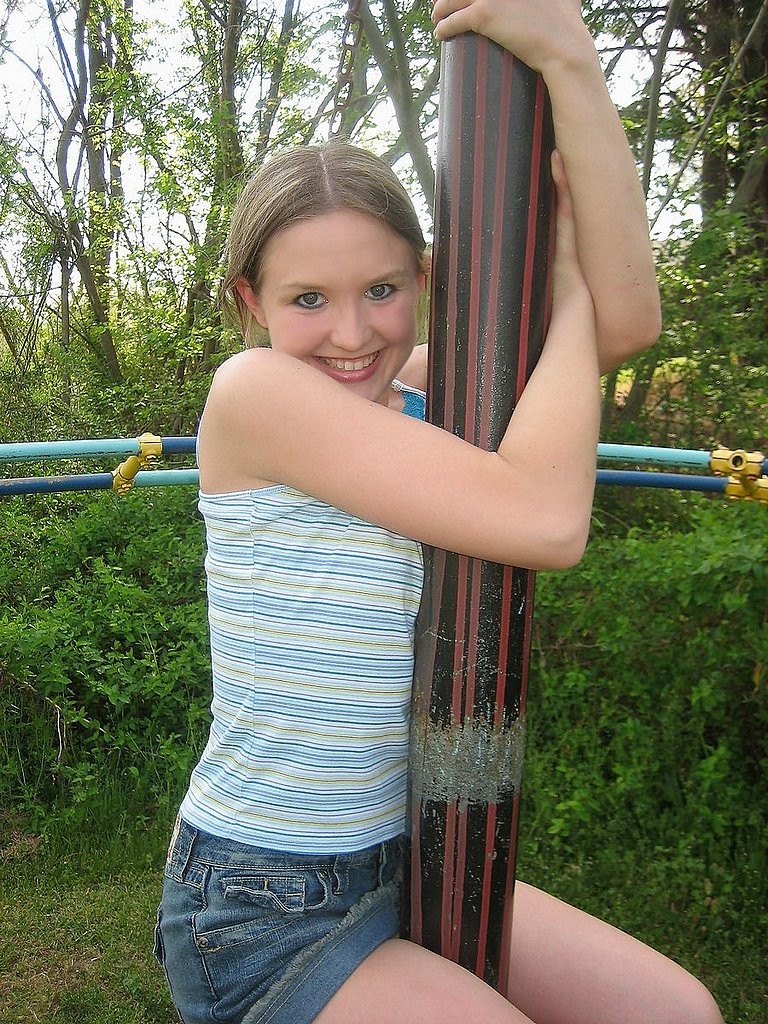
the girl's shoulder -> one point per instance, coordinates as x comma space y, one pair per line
248, 364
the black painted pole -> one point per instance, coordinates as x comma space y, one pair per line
490, 305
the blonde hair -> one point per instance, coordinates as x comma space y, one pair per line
301, 183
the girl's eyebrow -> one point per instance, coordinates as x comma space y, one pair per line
394, 276
298, 286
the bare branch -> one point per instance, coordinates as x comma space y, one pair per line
670, 22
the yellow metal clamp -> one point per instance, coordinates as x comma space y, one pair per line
744, 470
150, 450
747, 487
738, 462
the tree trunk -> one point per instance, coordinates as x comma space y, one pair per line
395, 70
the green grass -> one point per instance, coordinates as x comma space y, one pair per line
77, 915
79, 952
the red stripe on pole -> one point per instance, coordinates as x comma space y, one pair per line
449, 880
485, 904
501, 682
506, 926
530, 253
452, 318
494, 270
416, 922
478, 178
458, 887
474, 636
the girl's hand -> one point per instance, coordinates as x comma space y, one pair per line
542, 33
569, 287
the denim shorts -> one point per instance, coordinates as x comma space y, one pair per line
253, 936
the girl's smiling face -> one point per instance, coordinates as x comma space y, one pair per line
339, 292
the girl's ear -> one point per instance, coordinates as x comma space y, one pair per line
426, 262
251, 300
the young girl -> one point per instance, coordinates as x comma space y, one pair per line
281, 896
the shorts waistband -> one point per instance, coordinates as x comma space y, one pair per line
189, 843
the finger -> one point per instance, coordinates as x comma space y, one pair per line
452, 17
560, 179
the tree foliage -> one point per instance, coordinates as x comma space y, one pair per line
137, 128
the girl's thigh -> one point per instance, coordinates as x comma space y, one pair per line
404, 983
570, 968
567, 968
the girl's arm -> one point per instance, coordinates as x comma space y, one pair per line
414, 372
609, 207
271, 418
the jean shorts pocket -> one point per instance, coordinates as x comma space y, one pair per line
292, 893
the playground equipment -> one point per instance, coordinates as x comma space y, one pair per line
735, 473
490, 272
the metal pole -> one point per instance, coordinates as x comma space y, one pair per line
29, 451
490, 304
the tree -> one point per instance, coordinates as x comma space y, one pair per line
116, 195
701, 123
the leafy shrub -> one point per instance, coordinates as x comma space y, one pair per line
104, 662
649, 704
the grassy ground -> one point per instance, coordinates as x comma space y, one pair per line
76, 927
76, 938
720, 939
85, 952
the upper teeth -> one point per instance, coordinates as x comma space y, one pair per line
349, 364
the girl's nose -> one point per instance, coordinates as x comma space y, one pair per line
351, 330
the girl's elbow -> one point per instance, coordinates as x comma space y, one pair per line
636, 330
649, 329
568, 551
562, 544
644, 329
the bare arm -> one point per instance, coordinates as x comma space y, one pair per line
611, 218
414, 373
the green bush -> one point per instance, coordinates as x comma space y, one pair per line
648, 711
104, 659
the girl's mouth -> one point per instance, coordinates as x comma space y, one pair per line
350, 365
350, 371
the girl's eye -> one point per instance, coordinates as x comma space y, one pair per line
310, 300
380, 291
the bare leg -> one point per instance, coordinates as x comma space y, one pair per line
567, 968
570, 968
401, 983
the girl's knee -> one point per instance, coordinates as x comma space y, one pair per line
700, 1007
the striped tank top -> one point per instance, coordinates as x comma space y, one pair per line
312, 615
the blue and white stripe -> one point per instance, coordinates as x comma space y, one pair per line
312, 615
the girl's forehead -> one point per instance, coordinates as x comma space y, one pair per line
343, 238
338, 226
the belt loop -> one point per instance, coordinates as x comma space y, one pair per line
382, 861
340, 872
180, 849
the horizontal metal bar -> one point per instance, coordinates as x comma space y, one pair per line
673, 481
55, 484
34, 450
27, 451
648, 453
164, 477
